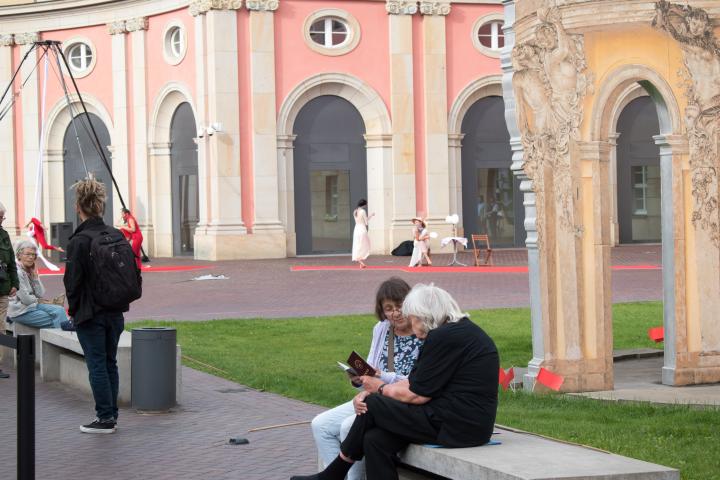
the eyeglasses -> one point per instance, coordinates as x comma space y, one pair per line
33, 255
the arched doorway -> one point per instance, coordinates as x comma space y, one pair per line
638, 172
82, 146
491, 198
184, 178
330, 174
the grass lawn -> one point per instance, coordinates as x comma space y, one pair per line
246, 351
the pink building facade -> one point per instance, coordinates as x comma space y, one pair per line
250, 129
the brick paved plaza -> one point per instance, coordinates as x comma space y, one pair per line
190, 442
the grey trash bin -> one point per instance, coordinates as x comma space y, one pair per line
153, 368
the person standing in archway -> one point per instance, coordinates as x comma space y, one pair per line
361, 239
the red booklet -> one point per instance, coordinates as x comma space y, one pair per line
357, 366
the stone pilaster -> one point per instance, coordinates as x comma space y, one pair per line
286, 177
7, 145
402, 111
139, 191
455, 175
379, 167
435, 117
268, 231
161, 243
612, 172
223, 235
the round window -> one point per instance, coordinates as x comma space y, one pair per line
329, 32
175, 43
80, 57
490, 35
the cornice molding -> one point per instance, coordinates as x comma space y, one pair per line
262, 5
401, 7
7, 40
116, 28
201, 7
435, 8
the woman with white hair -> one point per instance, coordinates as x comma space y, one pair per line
449, 399
8, 278
28, 306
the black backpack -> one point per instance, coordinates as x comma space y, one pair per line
405, 249
116, 280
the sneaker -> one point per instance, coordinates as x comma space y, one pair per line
67, 326
98, 427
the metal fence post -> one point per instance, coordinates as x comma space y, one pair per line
26, 407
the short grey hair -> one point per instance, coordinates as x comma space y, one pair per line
432, 305
22, 245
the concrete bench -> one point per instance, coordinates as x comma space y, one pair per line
61, 359
522, 456
20, 329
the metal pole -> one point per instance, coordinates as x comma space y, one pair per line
26, 407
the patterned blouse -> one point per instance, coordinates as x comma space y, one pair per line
407, 350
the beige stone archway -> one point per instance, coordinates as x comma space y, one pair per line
490, 86
378, 137
168, 99
59, 118
622, 86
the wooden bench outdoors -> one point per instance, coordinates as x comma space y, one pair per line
523, 456
477, 245
61, 359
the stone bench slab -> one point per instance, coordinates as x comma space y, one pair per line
524, 456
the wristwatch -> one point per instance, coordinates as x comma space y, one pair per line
380, 389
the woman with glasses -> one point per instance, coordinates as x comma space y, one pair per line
393, 352
28, 307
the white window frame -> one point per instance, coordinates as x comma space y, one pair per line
172, 55
74, 42
492, 18
328, 14
639, 187
327, 32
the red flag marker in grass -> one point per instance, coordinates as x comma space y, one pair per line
656, 334
501, 378
549, 379
509, 376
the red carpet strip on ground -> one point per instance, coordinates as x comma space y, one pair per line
445, 269
145, 269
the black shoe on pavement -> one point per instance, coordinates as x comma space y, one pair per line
98, 427
4, 375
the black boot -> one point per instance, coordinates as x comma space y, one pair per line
335, 471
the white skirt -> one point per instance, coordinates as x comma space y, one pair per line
361, 243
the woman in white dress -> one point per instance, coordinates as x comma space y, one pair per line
421, 243
361, 240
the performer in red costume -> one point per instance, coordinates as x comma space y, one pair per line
132, 232
36, 230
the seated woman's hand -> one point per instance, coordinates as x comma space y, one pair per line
359, 403
371, 384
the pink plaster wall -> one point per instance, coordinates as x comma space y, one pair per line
99, 82
247, 184
369, 61
419, 112
18, 139
464, 62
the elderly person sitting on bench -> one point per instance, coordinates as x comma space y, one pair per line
449, 399
28, 307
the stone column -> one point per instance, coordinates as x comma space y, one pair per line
612, 172
403, 116
197, 10
30, 125
455, 175
379, 167
224, 234
139, 192
436, 117
54, 196
7, 145
286, 176
269, 237
161, 243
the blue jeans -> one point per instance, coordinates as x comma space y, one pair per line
99, 339
44, 316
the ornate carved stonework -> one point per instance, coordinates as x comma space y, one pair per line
116, 28
262, 5
401, 7
136, 24
693, 29
26, 38
7, 40
200, 7
550, 81
434, 8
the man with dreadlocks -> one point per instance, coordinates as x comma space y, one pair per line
97, 297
